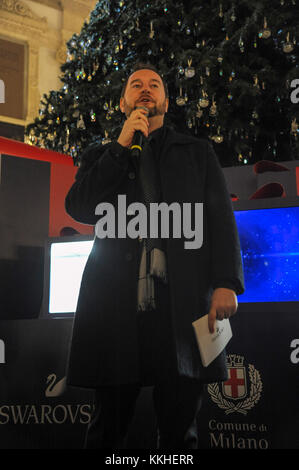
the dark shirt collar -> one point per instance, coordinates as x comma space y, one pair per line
157, 134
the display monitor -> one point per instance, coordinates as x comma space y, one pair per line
64, 264
270, 252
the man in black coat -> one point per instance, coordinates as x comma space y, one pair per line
139, 296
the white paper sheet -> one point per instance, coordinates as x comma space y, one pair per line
211, 344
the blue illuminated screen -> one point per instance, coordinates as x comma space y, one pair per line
270, 251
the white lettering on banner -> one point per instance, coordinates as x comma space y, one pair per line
2, 352
213, 425
232, 442
2, 92
137, 227
294, 357
45, 414
295, 93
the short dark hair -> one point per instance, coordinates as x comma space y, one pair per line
141, 66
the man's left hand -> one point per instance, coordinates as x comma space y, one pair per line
224, 304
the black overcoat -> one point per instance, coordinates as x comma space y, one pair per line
104, 347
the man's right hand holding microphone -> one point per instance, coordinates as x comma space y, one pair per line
137, 121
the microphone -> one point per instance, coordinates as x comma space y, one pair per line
138, 139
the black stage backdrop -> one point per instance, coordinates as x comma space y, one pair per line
256, 409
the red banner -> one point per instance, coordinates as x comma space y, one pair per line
19, 149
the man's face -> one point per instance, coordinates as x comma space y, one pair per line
145, 88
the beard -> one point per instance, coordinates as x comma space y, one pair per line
154, 110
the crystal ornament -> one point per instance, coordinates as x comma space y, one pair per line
189, 71
288, 46
265, 33
180, 100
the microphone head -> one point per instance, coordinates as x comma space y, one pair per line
142, 107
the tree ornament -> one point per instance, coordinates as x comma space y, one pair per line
199, 112
106, 139
213, 108
256, 82
241, 44
288, 46
189, 71
180, 100
204, 101
93, 116
218, 138
80, 123
220, 14
265, 33
152, 32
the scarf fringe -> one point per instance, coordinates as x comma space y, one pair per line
146, 283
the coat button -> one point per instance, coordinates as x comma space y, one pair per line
129, 256
132, 175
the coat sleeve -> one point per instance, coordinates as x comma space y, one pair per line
101, 171
226, 266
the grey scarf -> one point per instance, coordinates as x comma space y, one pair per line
153, 259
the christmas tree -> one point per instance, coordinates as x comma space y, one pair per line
231, 68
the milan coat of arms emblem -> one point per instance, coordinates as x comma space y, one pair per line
232, 397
